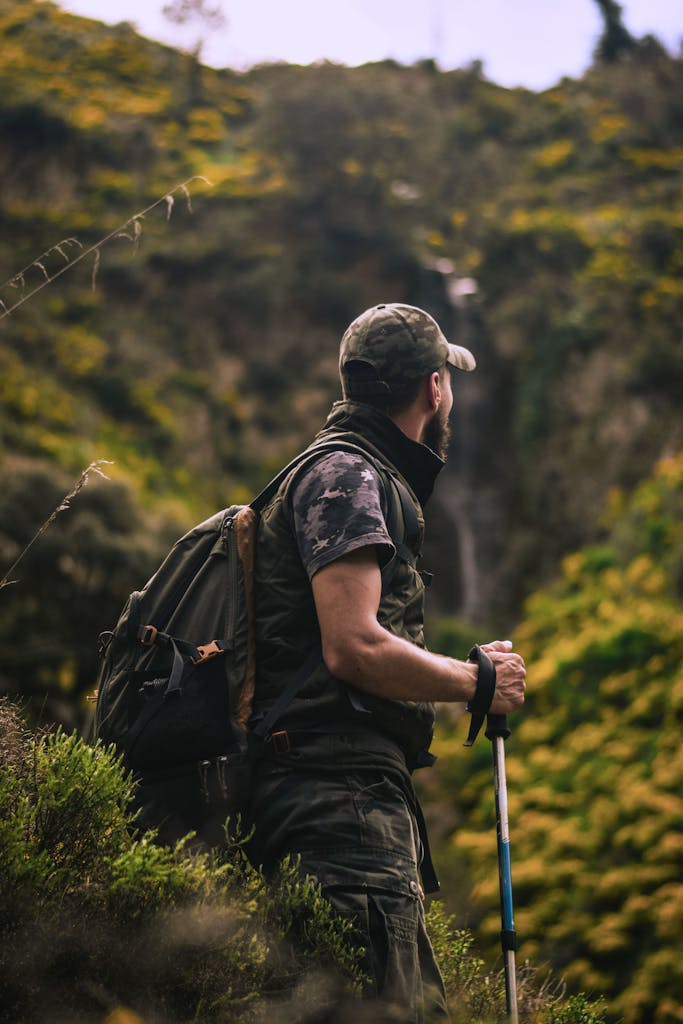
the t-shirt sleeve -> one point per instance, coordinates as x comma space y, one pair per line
337, 507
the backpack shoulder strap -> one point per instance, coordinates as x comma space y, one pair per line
271, 489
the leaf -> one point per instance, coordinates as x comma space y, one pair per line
95, 268
137, 229
184, 189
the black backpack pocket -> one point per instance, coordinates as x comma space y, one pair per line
190, 724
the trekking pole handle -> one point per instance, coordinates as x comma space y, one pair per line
497, 725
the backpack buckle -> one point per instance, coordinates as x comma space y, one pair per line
207, 651
281, 742
148, 635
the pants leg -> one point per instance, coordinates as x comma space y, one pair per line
356, 834
399, 960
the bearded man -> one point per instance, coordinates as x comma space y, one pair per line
341, 655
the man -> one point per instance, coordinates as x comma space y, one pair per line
339, 603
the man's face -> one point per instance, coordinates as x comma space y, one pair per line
437, 433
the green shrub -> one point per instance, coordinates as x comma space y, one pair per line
578, 1010
476, 994
94, 917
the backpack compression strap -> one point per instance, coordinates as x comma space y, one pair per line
150, 636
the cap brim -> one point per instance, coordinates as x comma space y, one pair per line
461, 357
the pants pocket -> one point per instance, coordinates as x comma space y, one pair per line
386, 926
393, 927
385, 818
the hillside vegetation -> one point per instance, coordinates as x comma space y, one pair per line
207, 352
197, 350
594, 766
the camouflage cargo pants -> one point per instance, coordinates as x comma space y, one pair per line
354, 829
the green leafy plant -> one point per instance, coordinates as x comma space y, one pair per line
477, 993
93, 916
594, 766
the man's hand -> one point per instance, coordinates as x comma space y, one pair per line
510, 677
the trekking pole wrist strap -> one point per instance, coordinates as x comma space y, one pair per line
484, 693
486, 681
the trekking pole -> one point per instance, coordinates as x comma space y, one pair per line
497, 731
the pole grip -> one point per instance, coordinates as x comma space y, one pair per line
497, 725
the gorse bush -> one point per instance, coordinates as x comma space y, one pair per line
95, 916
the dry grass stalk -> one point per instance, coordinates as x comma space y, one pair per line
131, 229
94, 469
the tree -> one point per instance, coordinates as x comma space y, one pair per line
180, 12
211, 18
616, 38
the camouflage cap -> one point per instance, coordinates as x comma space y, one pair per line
391, 344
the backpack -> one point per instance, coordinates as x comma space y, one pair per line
177, 675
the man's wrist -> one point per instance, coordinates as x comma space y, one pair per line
469, 673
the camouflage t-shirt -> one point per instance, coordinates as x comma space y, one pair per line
338, 505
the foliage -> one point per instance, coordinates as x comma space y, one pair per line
615, 39
93, 917
594, 767
71, 583
475, 993
205, 358
94, 469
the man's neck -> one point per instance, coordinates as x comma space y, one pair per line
414, 460
412, 423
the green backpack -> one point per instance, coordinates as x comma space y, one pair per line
177, 674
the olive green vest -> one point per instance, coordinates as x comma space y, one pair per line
286, 622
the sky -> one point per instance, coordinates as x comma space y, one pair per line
533, 43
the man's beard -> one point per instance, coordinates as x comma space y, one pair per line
437, 434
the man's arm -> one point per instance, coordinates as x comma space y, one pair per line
357, 649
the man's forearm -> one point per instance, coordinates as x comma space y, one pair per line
357, 649
389, 666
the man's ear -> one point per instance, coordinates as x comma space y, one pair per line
434, 390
